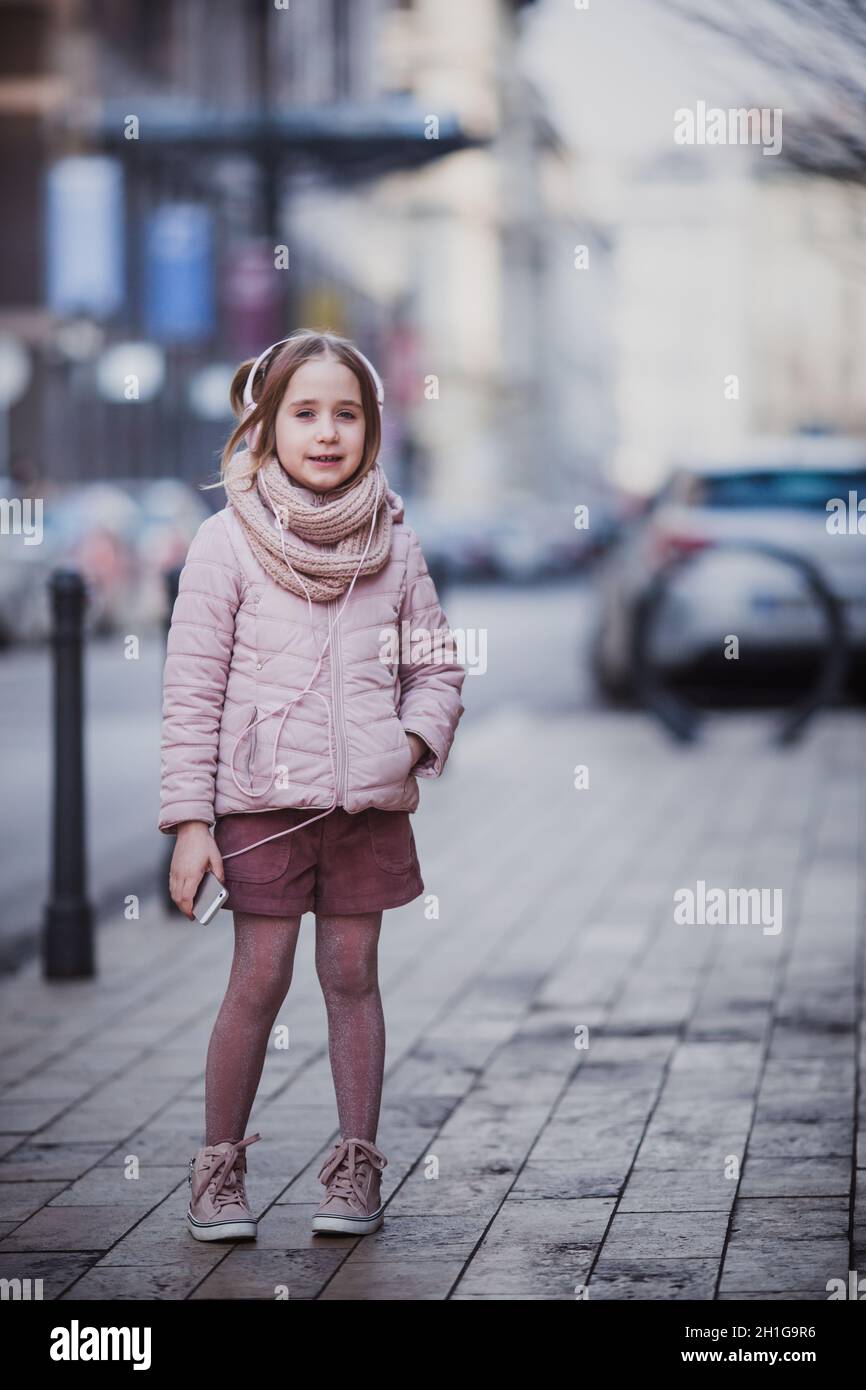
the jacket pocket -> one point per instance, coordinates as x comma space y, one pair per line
252, 737
404, 744
241, 751
392, 841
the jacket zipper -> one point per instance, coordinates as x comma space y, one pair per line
337, 689
341, 746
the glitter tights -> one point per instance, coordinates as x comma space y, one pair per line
259, 980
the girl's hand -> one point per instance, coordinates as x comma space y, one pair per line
195, 852
418, 746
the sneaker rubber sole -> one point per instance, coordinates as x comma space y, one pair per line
349, 1225
221, 1230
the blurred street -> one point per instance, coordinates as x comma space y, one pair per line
701, 1146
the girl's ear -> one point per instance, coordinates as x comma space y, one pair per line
253, 435
236, 390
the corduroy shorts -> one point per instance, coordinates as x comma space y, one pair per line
339, 863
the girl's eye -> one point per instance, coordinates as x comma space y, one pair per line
349, 414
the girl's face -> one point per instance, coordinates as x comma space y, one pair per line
320, 424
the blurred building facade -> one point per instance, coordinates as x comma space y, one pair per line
740, 308
196, 178
154, 148
476, 253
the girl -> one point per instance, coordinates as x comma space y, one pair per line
306, 688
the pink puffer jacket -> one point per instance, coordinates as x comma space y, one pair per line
240, 645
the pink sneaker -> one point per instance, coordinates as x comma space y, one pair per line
218, 1207
352, 1204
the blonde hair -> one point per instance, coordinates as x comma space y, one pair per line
272, 380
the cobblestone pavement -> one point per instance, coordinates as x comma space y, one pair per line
582, 1095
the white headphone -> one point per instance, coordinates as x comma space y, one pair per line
252, 440
252, 435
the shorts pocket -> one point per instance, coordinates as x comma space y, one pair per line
262, 864
391, 839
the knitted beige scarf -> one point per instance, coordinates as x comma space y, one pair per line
323, 541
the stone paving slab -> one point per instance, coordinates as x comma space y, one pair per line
583, 1097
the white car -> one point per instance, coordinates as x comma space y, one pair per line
799, 494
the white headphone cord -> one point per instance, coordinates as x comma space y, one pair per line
332, 627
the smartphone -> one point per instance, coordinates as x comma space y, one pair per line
210, 897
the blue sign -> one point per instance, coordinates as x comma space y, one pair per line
84, 261
178, 273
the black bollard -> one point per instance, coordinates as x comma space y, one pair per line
439, 570
67, 932
172, 584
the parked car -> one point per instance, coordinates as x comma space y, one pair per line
86, 527
773, 491
122, 536
536, 538
519, 544
459, 545
24, 604
171, 512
